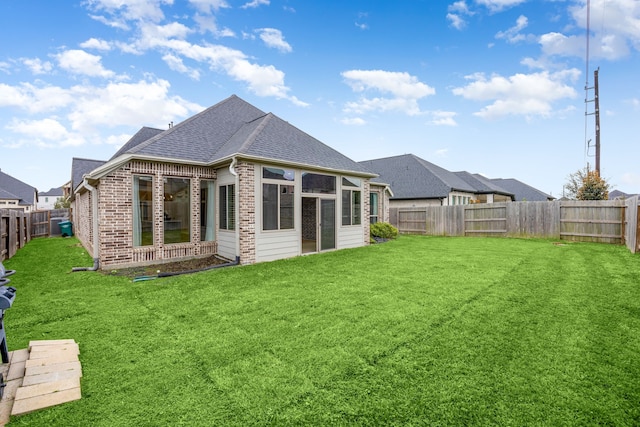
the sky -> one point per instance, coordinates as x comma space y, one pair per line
495, 87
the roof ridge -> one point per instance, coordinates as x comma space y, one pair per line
251, 139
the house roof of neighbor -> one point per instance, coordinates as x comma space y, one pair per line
403, 173
483, 185
15, 189
522, 191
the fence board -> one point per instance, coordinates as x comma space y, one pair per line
592, 221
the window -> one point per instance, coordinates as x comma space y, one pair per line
228, 207
316, 183
277, 199
177, 210
277, 206
373, 206
207, 211
351, 202
142, 211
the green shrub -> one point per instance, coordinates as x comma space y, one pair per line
384, 230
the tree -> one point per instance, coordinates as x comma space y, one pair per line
62, 203
586, 184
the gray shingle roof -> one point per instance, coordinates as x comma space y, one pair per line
235, 127
521, 190
141, 136
482, 185
52, 192
411, 177
11, 186
80, 167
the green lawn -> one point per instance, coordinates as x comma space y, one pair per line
417, 331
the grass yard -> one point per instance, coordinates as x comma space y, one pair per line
417, 331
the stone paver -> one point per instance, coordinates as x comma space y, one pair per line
45, 374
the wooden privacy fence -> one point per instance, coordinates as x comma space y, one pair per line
15, 231
609, 221
41, 221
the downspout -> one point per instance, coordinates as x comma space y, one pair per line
232, 170
96, 240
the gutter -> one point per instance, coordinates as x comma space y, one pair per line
96, 241
232, 170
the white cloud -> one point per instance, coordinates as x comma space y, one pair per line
399, 84
456, 12
443, 118
263, 80
362, 26
255, 3
176, 64
499, 5
614, 31
273, 38
47, 132
353, 121
405, 91
96, 44
513, 35
129, 104
207, 6
520, 94
209, 23
457, 21
135, 10
171, 41
81, 62
443, 152
37, 66
34, 99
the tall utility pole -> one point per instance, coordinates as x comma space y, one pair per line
596, 113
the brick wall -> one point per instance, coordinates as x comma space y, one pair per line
246, 206
115, 211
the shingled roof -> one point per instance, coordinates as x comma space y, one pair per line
230, 128
81, 167
482, 184
411, 177
13, 188
522, 191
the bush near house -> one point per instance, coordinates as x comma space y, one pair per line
383, 230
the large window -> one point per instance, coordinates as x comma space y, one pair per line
316, 183
228, 207
351, 201
207, 211
277, 199
177, 210
373, 207
142, 211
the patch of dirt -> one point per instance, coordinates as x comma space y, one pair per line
170, 267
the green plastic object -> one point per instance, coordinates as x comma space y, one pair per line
66, 228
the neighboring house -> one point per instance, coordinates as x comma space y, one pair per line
15, 194
48, 199
485, 190
522, 191
416, 182
232, 181
619, 195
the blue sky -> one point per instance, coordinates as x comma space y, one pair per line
487, 86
